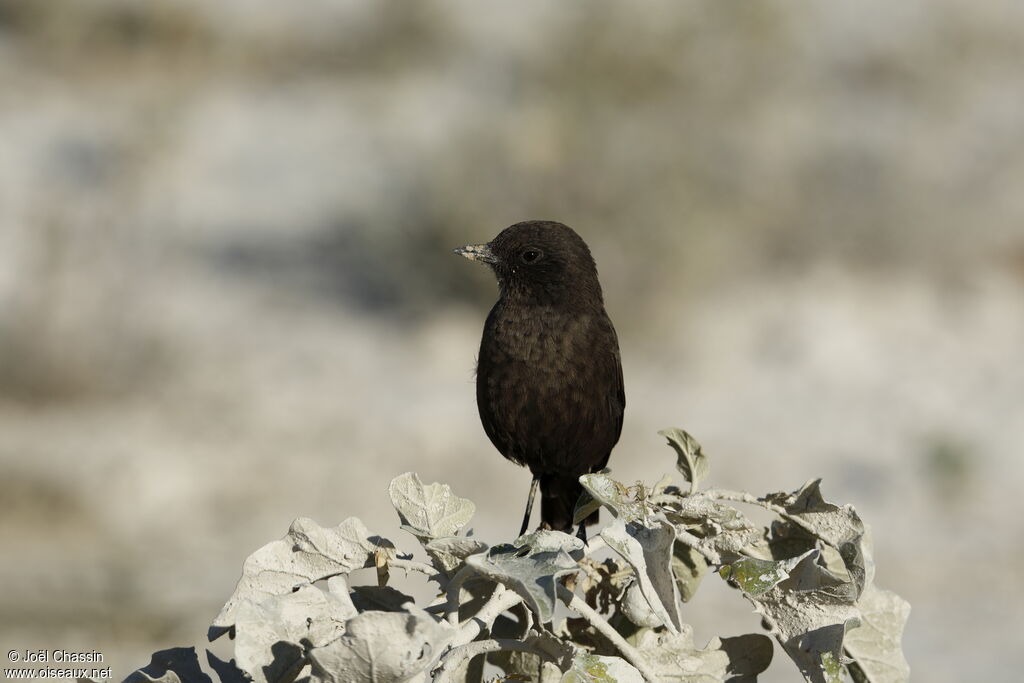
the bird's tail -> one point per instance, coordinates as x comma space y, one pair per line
558, 498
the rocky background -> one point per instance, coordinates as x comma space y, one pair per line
227, 297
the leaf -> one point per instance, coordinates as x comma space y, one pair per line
271, 636
174, 665
338, 586
307, 553
430, 511
635, 607
585, 506
531, 566
545, 540
725, 533
450, 552
875, 645
591, 668
689, 568
690, 458
380, 647
672, 657
839, 527
629, 503
647, 547
808, 608
757, 577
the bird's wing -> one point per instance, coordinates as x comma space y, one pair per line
616, 397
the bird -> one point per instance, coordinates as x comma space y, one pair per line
549, 385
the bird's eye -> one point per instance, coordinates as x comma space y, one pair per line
531, 255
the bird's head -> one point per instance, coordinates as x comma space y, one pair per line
541, 261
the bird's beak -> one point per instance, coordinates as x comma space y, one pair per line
477, 252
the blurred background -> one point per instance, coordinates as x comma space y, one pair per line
227, 297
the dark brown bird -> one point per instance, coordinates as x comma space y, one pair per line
549, 377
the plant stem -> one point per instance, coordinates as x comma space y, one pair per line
631, 654
500, 601
414, 566
742, 497
453, 589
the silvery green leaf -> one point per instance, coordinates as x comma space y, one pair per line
689, 568
450, 552
544, 540
585, 506
269, 636
724, 532
808, 608
756, 577
839, 527
381, 647
174, 665
672, 657
338, 586
628, 503
428, 511
591, 668
647, 547
307, 553
690, 458
875, 644
531, 566
635, 607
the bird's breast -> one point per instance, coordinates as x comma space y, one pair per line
548, 383
544, 338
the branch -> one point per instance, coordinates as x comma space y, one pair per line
743, 497
631, 654
500, 601
414, 566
